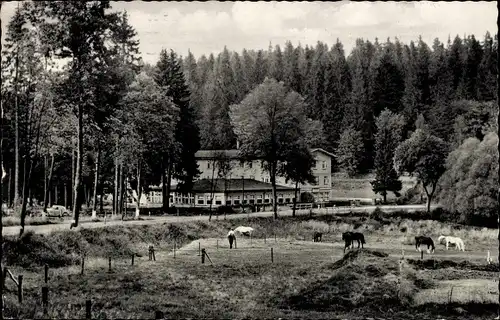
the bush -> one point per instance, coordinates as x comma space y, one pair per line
306, 197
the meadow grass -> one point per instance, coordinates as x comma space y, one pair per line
306, 279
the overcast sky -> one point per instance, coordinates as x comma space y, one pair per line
205, 27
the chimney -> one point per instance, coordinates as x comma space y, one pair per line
237, 144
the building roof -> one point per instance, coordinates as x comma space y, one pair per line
210, 154
233, 185
323, 151
235, 153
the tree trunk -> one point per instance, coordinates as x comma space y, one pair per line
16, 129
498, 147
45, 191
9, 190
429, 195
138, 207
295, 198
384, 194
79, 162
123, 192
65, 195
211, 191
48, 184
101, 200
72, 179
167, 178
26, 188
163, 187
273, 184
56, 194
115, 196
96, 179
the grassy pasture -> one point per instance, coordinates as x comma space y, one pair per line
306, 279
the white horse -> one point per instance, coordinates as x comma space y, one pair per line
459, 244
247, 231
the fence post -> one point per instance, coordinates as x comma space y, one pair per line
46, 273
272, 256
174, 249
421, 255
265, 241
45, 298
202, 256
88, 309
154, 257
83, 263
217, 244
199, 248
275, 238
109, 264
133, 259
20, 288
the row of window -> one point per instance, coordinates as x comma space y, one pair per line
237, 201
323, 164
242, 164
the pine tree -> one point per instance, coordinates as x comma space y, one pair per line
389, 135
336, 94
239, 77
260, 69
474, 58
276, 64
388, 87
487, 75
177, 160
248, 67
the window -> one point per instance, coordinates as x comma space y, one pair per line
280, 200
228, 202
250, 165
266, 180
266, 200
324, 165
314, 164
208, 165
259, 200
325, 180
252, 201
287, 200
236, 201
200, 201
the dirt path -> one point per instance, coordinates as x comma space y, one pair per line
47, 229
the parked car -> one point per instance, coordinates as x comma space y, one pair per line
57, 211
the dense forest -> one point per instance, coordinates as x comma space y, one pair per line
105, 120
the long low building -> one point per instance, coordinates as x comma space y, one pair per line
223, 192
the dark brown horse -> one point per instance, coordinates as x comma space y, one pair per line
419, 240
317, 237
350, 237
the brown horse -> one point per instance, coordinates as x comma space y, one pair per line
350, 237
317, 237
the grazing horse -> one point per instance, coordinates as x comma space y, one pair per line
246, 231
350, 237
317, 237
419, 240
459, 244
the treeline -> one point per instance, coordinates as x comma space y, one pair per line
348, 92
105, 120
83, 116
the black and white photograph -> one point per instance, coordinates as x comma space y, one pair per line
249, 160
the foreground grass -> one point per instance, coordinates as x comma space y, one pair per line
306, 280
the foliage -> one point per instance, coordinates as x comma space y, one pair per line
350, 151
389, 135
470, 184
423, 156
270, 124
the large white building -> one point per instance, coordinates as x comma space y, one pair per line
243, 182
